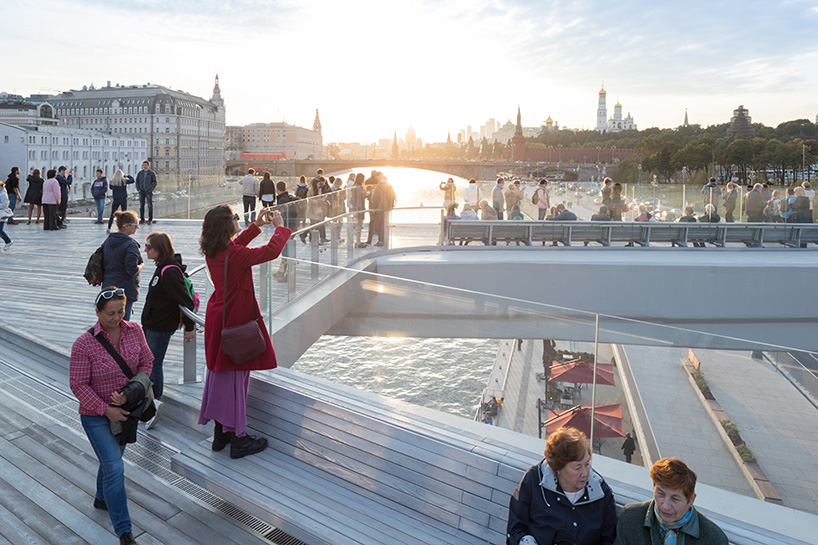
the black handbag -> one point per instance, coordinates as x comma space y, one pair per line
243, 342
140, 404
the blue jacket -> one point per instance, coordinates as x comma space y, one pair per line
146, 180
99, 188
64, 183
120, 264
539, 507
565, 215
121, 191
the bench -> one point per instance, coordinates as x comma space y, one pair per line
345, 466
755, 235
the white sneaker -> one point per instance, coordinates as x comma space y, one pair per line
8, 245
152, 422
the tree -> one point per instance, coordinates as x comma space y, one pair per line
740, 154
627, 172
334, 151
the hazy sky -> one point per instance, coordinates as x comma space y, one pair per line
373, 67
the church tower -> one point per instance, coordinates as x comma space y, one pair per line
602, 112
518, 140
316, 125
217, 94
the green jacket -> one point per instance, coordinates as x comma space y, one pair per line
637, 526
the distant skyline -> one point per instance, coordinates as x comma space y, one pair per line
374, 68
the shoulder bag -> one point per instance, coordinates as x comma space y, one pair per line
242, 342
140, 404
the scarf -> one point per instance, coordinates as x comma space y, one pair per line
668, 530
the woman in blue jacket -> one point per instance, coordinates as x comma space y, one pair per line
121, 261
562, 497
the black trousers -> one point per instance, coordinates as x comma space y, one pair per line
50, 212
63, 208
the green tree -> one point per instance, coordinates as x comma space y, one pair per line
627, 172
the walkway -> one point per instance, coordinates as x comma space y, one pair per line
679, 422
778, 424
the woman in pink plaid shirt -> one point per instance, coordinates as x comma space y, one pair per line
96, 379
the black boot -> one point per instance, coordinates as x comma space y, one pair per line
127, 539
220, 438
247, 445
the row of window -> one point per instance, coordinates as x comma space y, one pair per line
66, 154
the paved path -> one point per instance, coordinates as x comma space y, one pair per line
679, 422
778, 424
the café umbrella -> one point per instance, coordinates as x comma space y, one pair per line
607, 420
582, 372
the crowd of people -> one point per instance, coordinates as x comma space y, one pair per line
311, 203
759, 204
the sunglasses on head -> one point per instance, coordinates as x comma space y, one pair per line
108, 294
236, 217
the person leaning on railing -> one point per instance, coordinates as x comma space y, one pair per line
669, 518
562, 496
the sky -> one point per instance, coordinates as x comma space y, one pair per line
376, 67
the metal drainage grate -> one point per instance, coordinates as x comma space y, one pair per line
149, 454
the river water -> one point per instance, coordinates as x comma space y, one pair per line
444, 374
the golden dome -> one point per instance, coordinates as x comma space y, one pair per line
603, 92
617, 105
549, 121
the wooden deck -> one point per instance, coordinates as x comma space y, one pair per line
48, 476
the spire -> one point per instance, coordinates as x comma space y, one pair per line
395, 149
316, 125
686, 123
449, 137
519, 129
217, 93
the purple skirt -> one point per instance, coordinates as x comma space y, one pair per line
225, 400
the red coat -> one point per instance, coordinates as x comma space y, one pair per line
242, 306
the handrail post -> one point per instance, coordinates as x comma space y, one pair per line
314, 248
351, 226
189, 362
291, 265
334, 235
263, 277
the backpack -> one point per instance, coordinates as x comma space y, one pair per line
301, 191
93, 269
535, 197
188, 285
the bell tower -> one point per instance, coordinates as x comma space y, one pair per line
602, 112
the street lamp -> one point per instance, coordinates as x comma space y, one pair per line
803, 160
613, 149
598, 148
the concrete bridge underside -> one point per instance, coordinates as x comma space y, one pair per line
714, 298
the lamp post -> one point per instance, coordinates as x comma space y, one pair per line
597, 153
550, 149
613, 149
803, 160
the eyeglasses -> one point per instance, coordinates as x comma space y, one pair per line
108, 294
236, 217
147, 246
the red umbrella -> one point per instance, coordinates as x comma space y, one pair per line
583, 373
608, 421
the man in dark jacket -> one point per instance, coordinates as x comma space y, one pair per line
563, 214
145, 184
711, 194
383, 201
65, 184
754, 204
670, 517
99, 190
730, 197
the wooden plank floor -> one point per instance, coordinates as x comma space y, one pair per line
48, 475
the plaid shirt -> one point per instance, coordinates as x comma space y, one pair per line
94, 375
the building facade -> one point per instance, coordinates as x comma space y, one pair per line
185, 133
616, 122
289, 141
15, 110
84, 151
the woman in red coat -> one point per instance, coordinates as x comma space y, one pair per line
225, 390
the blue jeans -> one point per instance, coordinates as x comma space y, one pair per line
541, 212
100, 209
158, 343
3, 234
128, 307
13, 200
146, 196
249, 206
111, 473
499, 212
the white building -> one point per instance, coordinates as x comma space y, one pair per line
19, 111
290, 141
44, 148
185, 133
616, 123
